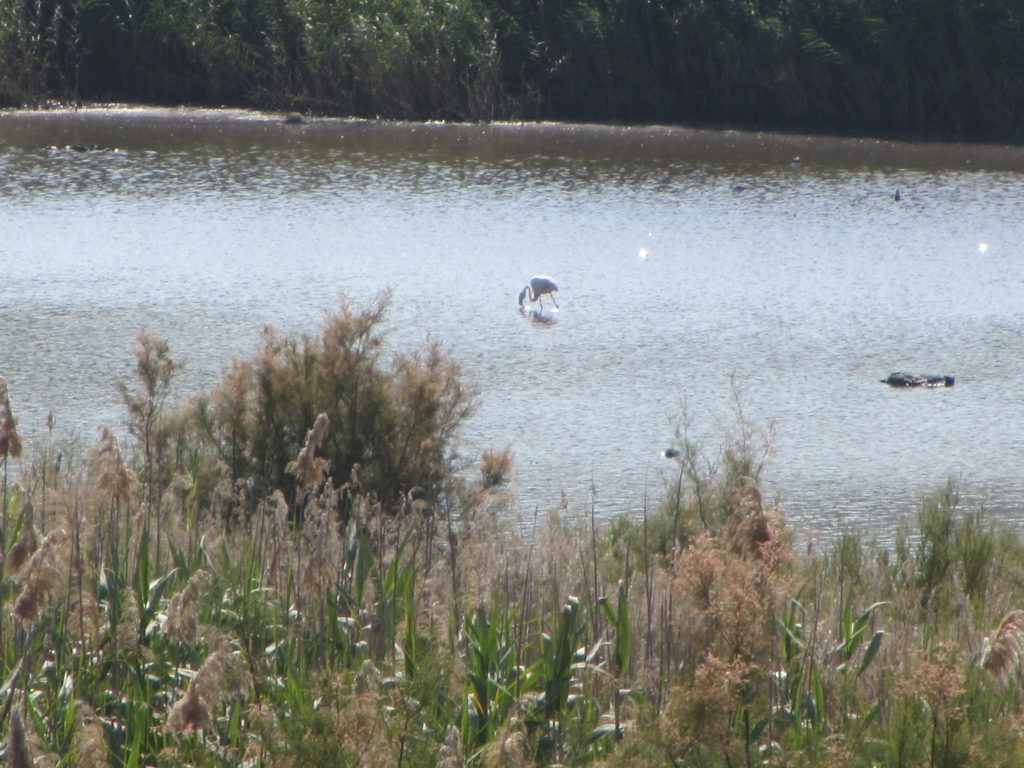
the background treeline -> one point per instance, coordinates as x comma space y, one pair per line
940, 68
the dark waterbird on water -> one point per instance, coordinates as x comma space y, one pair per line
902, 379
536, 288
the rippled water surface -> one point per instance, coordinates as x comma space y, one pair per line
697, 270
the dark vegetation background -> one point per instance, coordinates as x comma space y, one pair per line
914, 68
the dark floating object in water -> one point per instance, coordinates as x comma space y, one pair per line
901, 379
293, 118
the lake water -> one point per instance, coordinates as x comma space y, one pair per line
695, 267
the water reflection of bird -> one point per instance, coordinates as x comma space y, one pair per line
536, 288
538, 317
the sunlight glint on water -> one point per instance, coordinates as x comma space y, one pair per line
800, 288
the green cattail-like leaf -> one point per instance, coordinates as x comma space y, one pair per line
871, 652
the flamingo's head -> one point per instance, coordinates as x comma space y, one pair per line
522, 295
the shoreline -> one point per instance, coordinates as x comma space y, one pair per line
102, 124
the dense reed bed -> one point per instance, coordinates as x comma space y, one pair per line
944, 68
297, 569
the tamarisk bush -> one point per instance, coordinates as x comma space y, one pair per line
390, 423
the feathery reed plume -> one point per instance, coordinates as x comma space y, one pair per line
177, 491
181, 623
418, 501
509, 750
221, 676
41, 577
368, 678
1005, 650
27, 543
307, 466
190, 713
90, 740
277, 516
279, 509
228, 499
126, 633
114, 477
17, 744
451, 754
325, 550
10, 443
85, 622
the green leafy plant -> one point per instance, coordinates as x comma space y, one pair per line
494, 678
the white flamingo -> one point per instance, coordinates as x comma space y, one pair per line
536, 288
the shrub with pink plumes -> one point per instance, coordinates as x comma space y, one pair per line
701, 716
937, 678
729, 601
